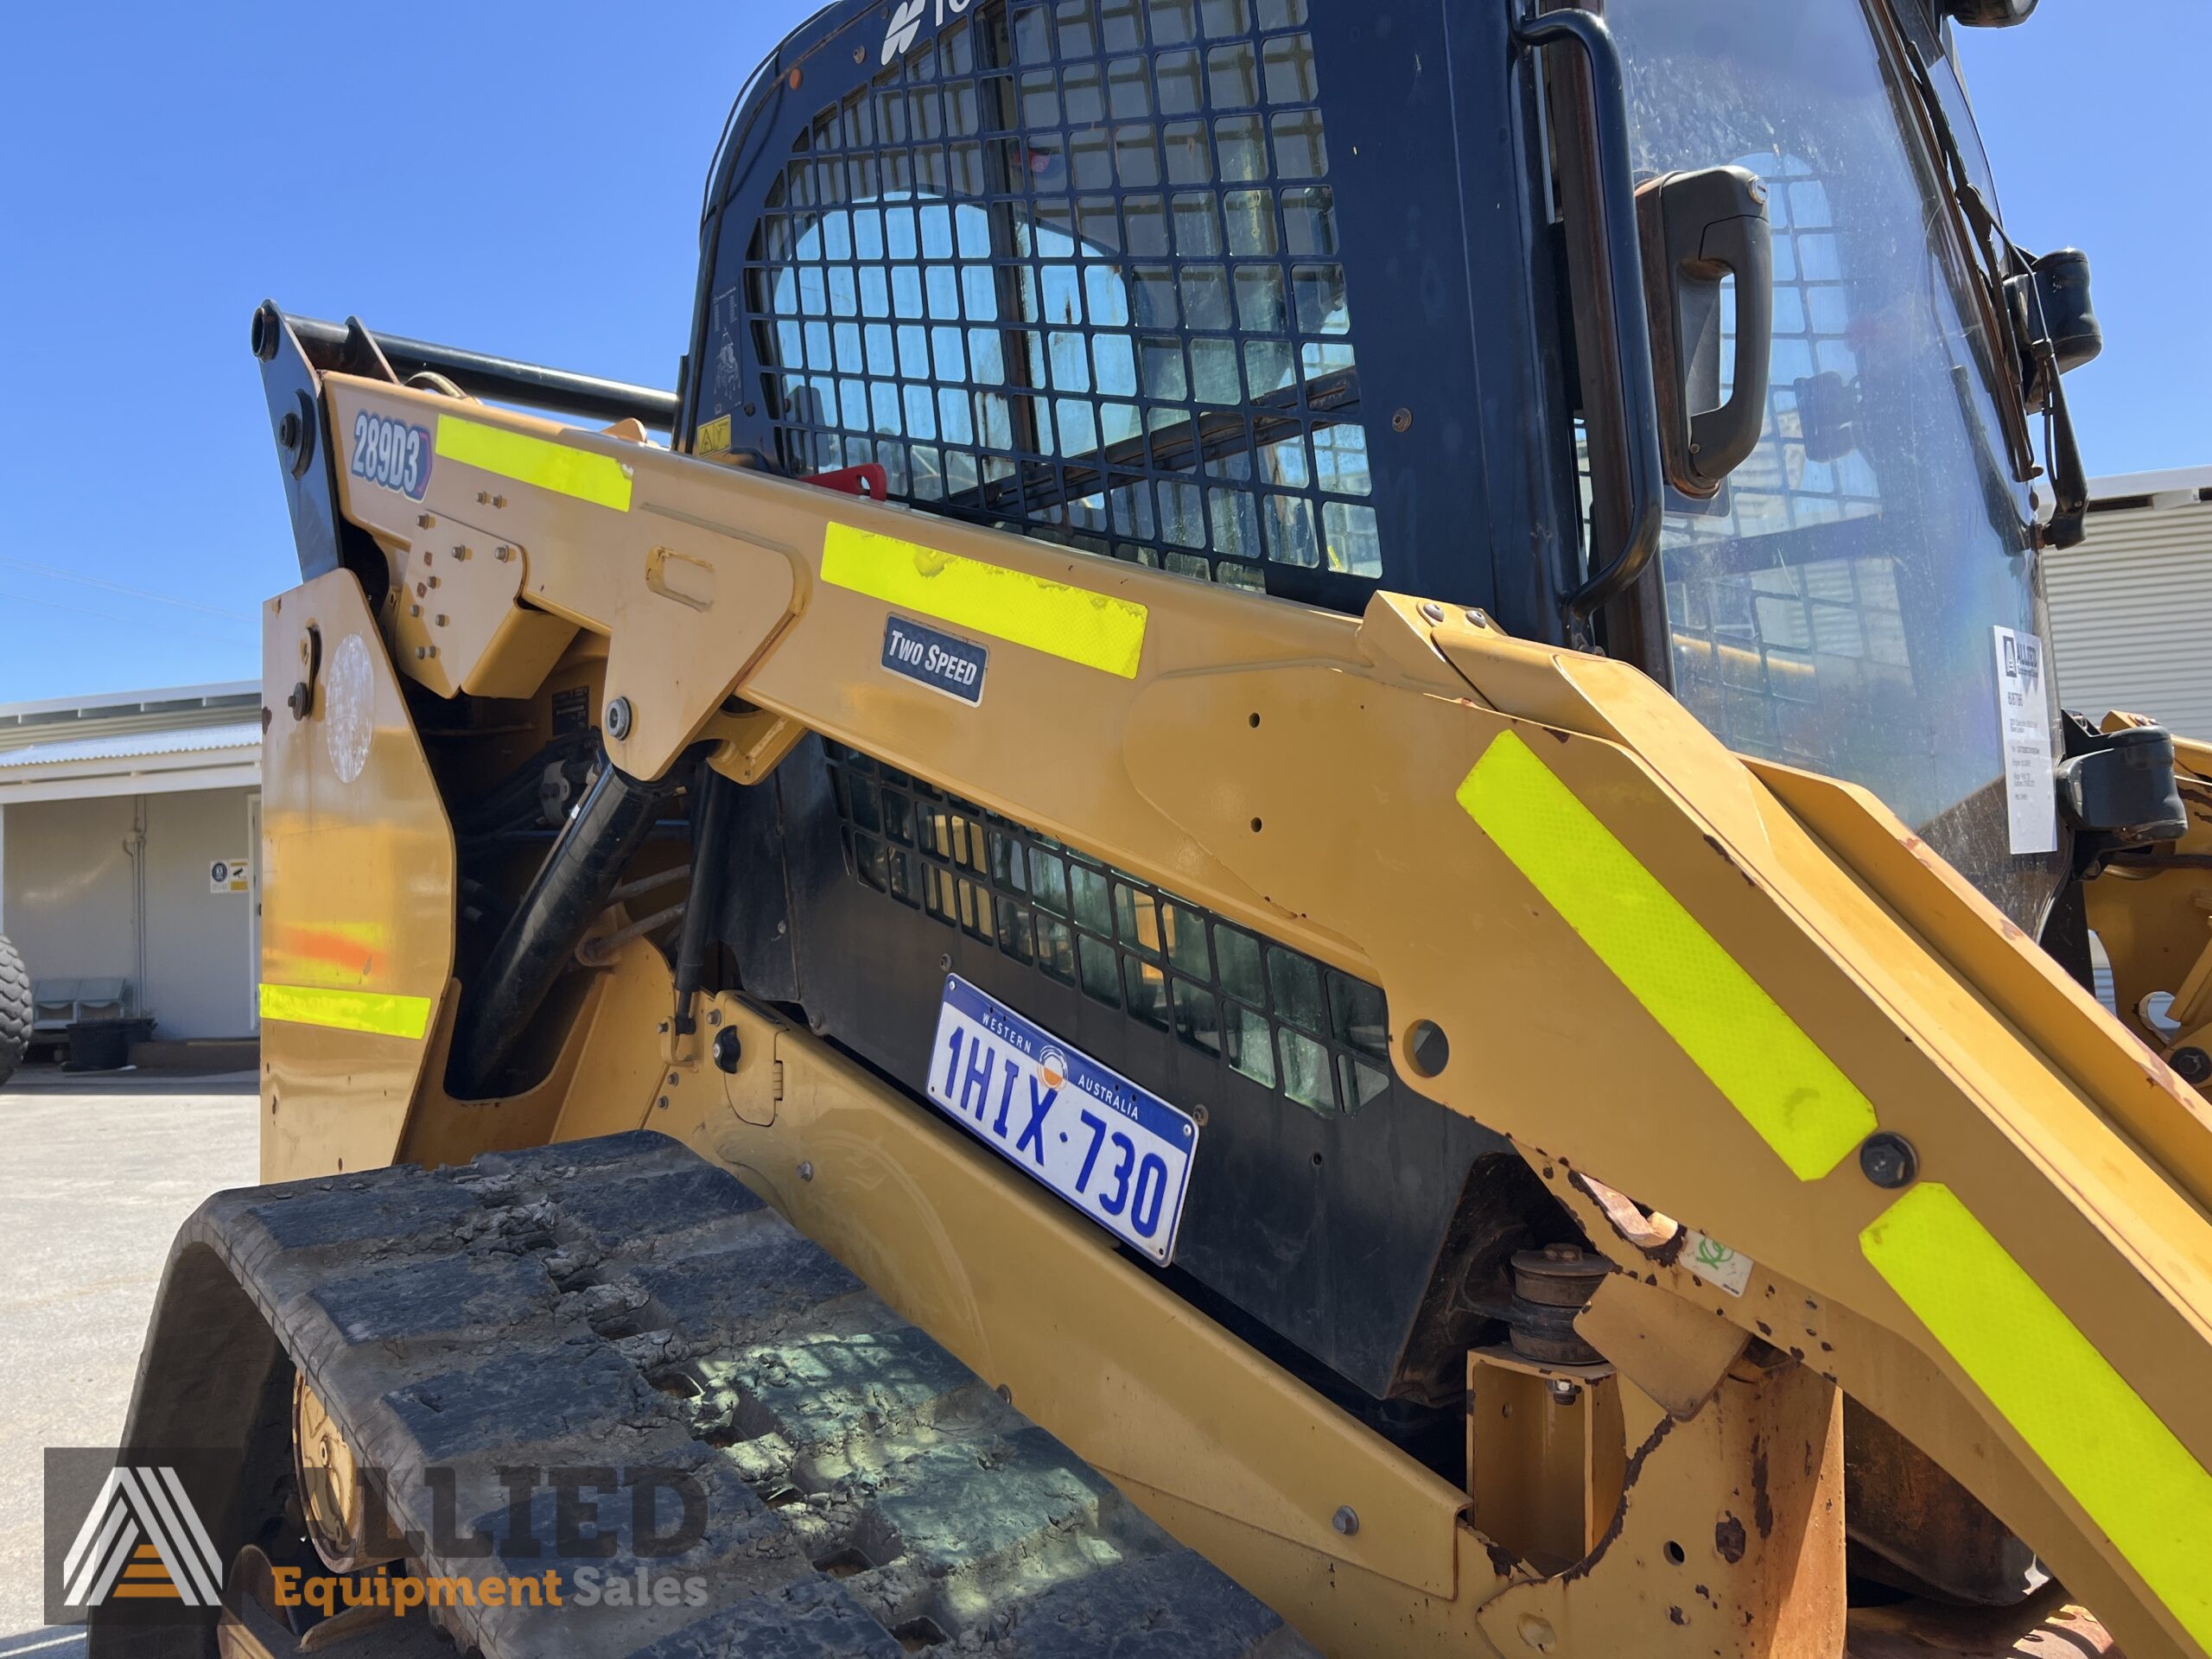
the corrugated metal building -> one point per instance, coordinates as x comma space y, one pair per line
2131, 608
130, 853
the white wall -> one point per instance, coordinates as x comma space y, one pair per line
69, 903
200, 977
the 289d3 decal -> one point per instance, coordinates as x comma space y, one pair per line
391, 454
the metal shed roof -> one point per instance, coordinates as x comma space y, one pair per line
2129, 626
131, 746
131, 743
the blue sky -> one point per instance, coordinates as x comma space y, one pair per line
525, 179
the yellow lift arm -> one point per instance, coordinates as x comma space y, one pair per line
1948, 1182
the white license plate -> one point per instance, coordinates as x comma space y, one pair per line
1119, 1153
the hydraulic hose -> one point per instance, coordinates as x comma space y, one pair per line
570, 889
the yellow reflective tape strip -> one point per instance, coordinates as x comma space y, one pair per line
1757, 1056
381, 1012
2139, 1484
1074, 624
527, 459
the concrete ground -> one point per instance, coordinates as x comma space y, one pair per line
97, 1174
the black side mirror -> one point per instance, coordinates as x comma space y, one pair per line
2063, 282
1697, 229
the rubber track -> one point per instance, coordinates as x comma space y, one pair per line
15, 1010
622, 1304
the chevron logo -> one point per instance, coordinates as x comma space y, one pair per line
141, 1540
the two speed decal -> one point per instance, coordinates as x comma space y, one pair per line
391, 454
936, 660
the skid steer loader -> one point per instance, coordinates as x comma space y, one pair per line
1303, 878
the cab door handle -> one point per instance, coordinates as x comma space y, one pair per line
1697, 230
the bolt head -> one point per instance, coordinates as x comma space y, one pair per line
2194, 1064
288, 430
301, 701
806, 1170
618, 719
728, 1049
1345, 1520
1432, 613
1888, 1159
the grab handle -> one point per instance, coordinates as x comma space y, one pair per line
1698, 228
1635, 405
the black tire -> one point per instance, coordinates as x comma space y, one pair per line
621, 1302
15, 1009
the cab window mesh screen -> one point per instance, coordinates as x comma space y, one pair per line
1317, 1037
1074, 267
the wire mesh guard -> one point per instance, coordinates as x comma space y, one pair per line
1073, 267
1288, 1023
